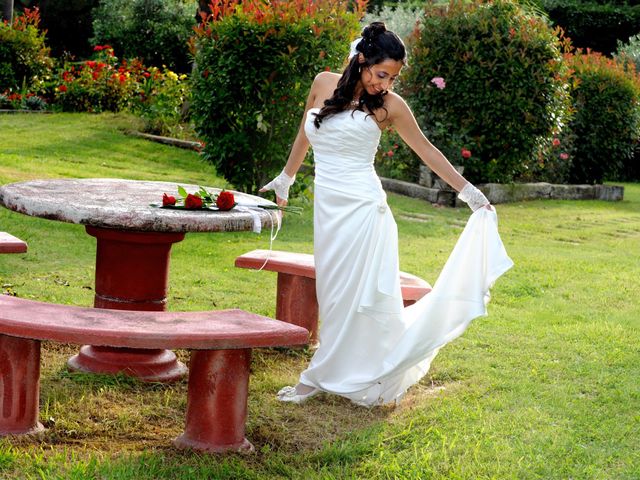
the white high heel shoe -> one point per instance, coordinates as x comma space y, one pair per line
290, 394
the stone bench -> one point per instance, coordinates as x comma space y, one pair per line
220, 344
11, 244
296, 300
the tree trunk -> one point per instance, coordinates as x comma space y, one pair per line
7, 10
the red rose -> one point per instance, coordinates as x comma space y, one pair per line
225, 200
556, 142
168, 200
465, 153
192, 201
62, 88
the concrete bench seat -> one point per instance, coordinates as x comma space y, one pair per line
220, 344
11, 244
296, 300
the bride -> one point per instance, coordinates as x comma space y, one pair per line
371, 348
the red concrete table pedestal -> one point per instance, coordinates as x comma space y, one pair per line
217, 401
20, 373
132, 270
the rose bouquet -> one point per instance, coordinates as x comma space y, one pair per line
205, 200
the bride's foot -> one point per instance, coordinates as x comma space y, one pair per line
298, 394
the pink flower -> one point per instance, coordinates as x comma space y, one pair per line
390, 153
465, 153
439, 82
556, 142
564, 156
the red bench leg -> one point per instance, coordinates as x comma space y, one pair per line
297, 303
217, 401
19, 385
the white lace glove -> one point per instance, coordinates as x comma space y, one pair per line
473, 197
280, 185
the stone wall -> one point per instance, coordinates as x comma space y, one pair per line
435, 190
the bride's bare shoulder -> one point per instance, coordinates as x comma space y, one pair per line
323, 86
327, 78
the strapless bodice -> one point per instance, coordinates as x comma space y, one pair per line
344, 149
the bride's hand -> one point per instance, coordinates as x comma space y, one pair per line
474, 197
280, 185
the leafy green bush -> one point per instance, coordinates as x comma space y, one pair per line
607, 120
155, 31
255, 66
597, 25
24, 57
488, 78
161, 95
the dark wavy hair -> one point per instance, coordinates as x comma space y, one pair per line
377, 44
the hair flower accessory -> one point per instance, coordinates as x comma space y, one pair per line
353, 51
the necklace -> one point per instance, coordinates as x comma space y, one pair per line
355, 102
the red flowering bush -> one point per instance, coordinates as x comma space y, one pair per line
606, 125
97, 85
24, 58
265, 54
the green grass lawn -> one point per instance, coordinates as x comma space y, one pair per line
546, 387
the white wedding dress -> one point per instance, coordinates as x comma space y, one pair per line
372, 348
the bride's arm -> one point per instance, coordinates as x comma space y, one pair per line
402, 119
299, 149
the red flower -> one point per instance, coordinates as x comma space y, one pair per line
192, 201
556, 142
97, 48
390, 153
168, 200
465, 153
564, 156
91, 64
62, 88
225, 200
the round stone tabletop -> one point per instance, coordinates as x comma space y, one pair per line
126, 205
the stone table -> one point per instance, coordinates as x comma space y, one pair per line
134, 240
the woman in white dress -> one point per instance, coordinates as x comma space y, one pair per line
372, 349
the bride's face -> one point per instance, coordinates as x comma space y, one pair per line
379, 78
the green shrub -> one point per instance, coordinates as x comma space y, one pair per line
161, 96
255, 66
607, 120
24, 57
597, 25
155, 31
488, 78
